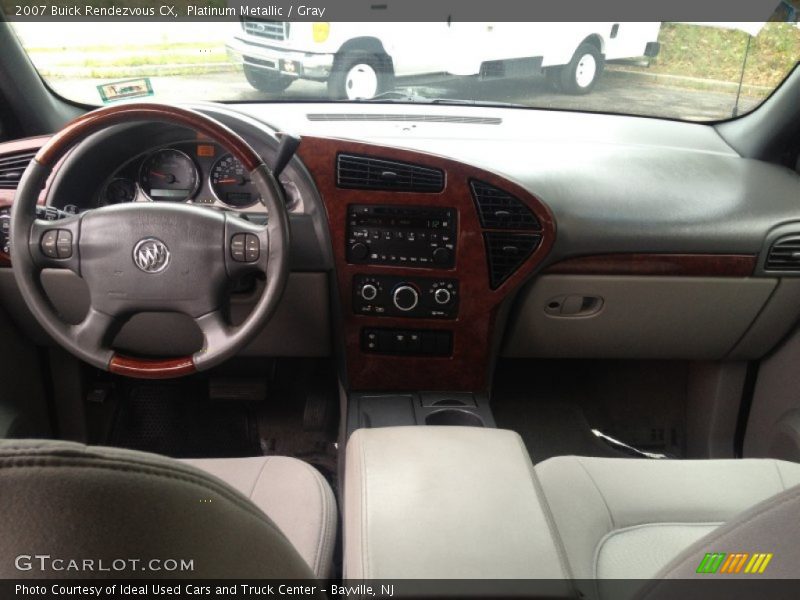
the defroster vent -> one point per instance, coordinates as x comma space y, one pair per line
784, 254
11, 168
506, 252
500, 210
368, 173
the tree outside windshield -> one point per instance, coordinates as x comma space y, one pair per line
687, 71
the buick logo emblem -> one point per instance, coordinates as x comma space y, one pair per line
151, 255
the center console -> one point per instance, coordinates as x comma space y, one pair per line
448, 503
372, 410
426, 249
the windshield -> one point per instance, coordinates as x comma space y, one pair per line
687, 71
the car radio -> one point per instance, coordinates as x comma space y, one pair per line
413, 236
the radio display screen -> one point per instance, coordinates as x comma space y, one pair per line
399, 222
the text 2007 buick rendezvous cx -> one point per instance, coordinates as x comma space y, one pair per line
471, 337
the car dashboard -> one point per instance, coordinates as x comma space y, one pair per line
427, 241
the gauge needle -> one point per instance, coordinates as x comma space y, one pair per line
168, 176
229, 180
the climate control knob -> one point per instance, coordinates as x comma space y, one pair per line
369, 292
405, 297
442, 296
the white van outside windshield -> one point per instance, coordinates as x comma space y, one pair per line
687, 71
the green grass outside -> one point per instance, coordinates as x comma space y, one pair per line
712, 53
164, 47
200, 69
161, 58
116, 61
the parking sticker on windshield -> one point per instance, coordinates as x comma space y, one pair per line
127, 88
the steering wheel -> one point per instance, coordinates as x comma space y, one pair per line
145, 257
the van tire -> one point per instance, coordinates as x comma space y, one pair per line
266, 81
583, 71
372, 73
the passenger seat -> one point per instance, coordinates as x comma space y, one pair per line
642, 519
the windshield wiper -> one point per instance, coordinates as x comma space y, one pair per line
411, 98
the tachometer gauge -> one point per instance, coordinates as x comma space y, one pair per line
231, 183
169, 174
120, 190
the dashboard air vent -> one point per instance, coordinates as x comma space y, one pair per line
404, 118
506, 252
784, 254
11, 168
500, 210
368, 173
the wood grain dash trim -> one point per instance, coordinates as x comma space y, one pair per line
473, 330
679, 265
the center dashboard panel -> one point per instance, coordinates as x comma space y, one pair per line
425, 249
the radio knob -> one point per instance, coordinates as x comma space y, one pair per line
369, 292
405, 297
442, 296
441, 256
359, 251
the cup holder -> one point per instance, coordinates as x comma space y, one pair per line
451, 416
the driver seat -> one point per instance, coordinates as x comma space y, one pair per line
252, 518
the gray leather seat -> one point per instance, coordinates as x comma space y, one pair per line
264, 517
465, 503
643, 519
291, 493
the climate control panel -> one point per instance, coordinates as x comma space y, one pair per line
418, 297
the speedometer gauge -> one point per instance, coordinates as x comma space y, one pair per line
231, 183
169, 174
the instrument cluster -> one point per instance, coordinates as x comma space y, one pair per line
196, 172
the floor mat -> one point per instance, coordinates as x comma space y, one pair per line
178, 420
553, 429
555, 404
282, 425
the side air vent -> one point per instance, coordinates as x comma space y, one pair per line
367, 173
506, 252
12, 167
500, 210
784, 254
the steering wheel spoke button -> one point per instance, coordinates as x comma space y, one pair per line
245, 247
64, 244
57, 243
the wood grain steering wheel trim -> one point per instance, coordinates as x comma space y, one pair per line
94, 121
141, 368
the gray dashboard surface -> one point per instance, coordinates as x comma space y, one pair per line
614, 184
